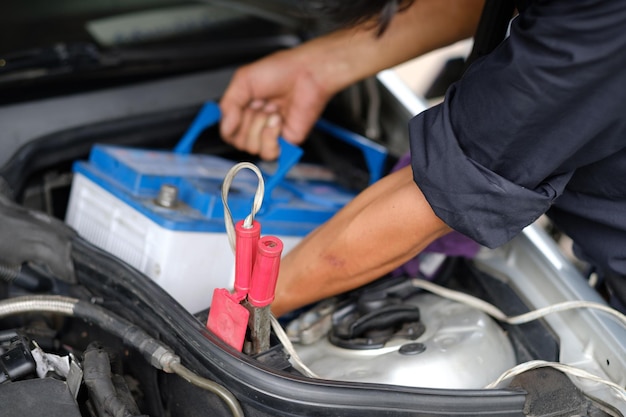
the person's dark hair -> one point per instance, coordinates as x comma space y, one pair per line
350, 13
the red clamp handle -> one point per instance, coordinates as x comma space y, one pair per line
265, 271
245, 253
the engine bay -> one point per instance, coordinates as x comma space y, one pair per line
87, 332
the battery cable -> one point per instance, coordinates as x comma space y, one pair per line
256, 203
230, 231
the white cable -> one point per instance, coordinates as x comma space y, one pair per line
284, 339
523, 318
256, 203
566, 369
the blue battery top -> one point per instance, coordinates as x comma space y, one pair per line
295, 202
296, 206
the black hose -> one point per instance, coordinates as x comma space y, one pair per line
97, 377
25, 277
156, 353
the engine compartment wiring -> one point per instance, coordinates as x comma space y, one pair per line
156, 353
496, 313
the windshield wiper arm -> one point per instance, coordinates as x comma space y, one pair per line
83, 57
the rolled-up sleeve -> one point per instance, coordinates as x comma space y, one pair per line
502, 147
466, 195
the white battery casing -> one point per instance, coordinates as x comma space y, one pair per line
184, 248
186, 264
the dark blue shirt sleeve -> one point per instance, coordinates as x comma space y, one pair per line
503, 146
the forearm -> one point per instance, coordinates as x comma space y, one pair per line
349, 55
382, 228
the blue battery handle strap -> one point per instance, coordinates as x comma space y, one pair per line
208, 115
375, 155
290, 154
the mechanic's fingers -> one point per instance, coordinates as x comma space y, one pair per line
270, 108
258, 133
237, 137
257, 104
269, 138
232, 118
235, 120
234, 103
254, 132
230, 122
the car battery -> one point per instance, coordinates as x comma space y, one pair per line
162, 213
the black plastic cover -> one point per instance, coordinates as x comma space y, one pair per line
37, 397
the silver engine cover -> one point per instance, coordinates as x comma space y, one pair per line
461, 348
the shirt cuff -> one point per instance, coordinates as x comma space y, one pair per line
467, 196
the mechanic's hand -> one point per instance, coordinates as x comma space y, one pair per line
278, 94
